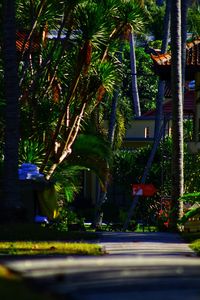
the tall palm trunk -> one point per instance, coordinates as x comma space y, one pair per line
184, 8
177, 112
112, 121
161, 83
11, 199
135, 94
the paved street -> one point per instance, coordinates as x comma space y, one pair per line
148, 243
137, 266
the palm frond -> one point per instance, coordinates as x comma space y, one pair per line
68, 181
27, 12
94, 153
191, 197
91, 22
110, 75
87, 144
190, 214
120, 130
31, 151
132, 13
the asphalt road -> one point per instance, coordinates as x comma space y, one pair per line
166, 270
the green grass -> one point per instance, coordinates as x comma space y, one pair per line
34, 239
48, 248
196, 246
194, 240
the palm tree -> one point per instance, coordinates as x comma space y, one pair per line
45, 75
194, 18
161, 83
94, 35
90, 20
159, 126
112, 120
64, 70
130, 17
184, 9
11, 199
177, 112
135, 93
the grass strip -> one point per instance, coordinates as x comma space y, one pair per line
193, 238
196, 246
48, 248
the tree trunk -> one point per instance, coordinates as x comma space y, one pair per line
145, 174
102, 194
184, 8
11, 199
135, 94
161, 83
159, 127
177, 113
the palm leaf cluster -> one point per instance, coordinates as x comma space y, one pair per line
68, 63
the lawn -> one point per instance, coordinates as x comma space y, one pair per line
194, 240
48, 248
34, 239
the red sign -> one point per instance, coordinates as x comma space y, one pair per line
146, 190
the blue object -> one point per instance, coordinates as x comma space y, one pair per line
41, 219
29, 171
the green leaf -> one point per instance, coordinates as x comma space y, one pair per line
190, 214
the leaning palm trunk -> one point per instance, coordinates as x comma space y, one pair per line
159, 126
11, 199
135, 96
145, 174
177, 113
111, 131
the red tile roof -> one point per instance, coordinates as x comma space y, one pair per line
162, 62
22, 43
193, 53
188, 108
161, 59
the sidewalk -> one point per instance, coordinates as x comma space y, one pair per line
137, 266
148, 243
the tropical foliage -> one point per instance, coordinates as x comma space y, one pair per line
194, 20
67, 62
69, 69
146, 79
